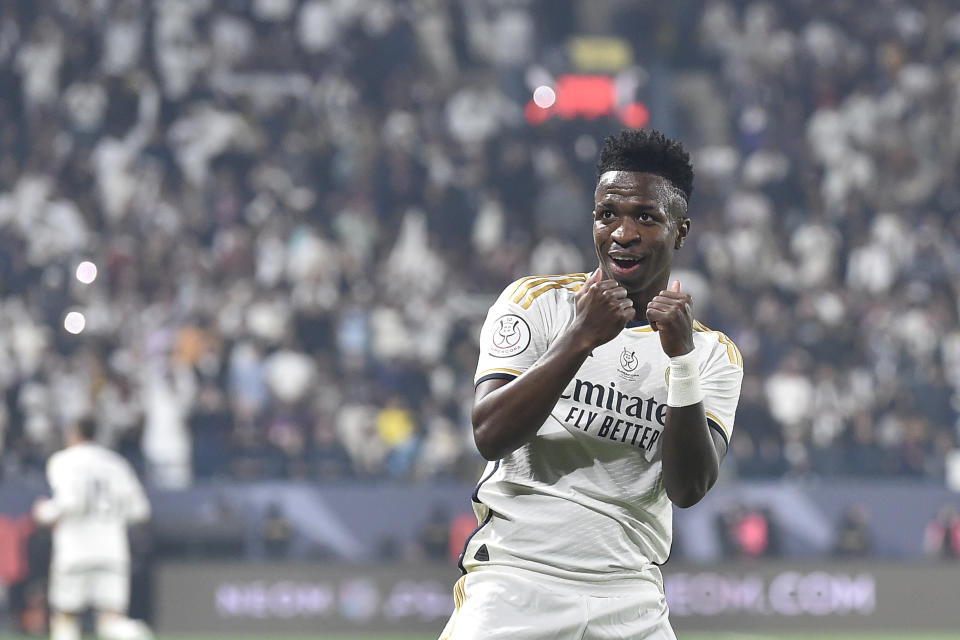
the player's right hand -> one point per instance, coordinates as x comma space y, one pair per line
603, 310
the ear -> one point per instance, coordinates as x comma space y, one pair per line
682, 230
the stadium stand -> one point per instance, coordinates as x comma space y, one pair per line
300, 210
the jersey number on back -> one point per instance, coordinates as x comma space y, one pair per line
100, 500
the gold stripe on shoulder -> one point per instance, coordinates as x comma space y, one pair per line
539, 292
574, 283
732, 351
524, 288
519, 283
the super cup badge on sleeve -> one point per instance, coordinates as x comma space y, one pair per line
511, 335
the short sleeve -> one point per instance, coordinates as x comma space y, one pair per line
721, 375
513, 337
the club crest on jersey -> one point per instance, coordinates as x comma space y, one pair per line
511, 335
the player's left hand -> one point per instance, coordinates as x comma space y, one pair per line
39, 506
670, 313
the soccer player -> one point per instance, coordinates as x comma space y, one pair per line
600, 402
96, 494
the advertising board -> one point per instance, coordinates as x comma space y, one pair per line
277, 598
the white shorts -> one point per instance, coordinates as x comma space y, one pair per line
104, 589
493, 605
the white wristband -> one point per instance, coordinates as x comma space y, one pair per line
683, 387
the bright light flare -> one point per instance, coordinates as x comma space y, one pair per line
74, 322
86, 272
544, 96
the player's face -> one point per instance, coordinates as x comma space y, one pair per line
634, 231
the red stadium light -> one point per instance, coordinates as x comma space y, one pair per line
536, 115
635, 115
589, 97
585, 96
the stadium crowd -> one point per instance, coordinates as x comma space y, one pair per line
301, 209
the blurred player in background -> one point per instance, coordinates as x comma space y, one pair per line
96, 494
600, 402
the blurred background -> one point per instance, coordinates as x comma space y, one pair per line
257, 239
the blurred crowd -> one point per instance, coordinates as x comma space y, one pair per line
299, 211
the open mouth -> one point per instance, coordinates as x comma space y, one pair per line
624, 265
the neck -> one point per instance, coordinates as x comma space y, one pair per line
642, 297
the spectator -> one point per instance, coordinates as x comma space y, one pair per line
941, 538
853, 538
276, 532
398, 431
434, 537
746, 532
298, 209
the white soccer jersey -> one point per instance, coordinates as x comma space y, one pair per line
95, 495
583, 500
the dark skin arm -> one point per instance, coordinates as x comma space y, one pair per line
507, 413
691, 451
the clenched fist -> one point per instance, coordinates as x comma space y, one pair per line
671, 314
603, 310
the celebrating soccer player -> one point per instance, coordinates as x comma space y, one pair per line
600, 402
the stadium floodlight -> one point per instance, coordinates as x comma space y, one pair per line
86, 272
74, 322
544, 96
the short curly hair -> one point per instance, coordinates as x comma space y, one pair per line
649, 151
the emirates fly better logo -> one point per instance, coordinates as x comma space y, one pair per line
511, 335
